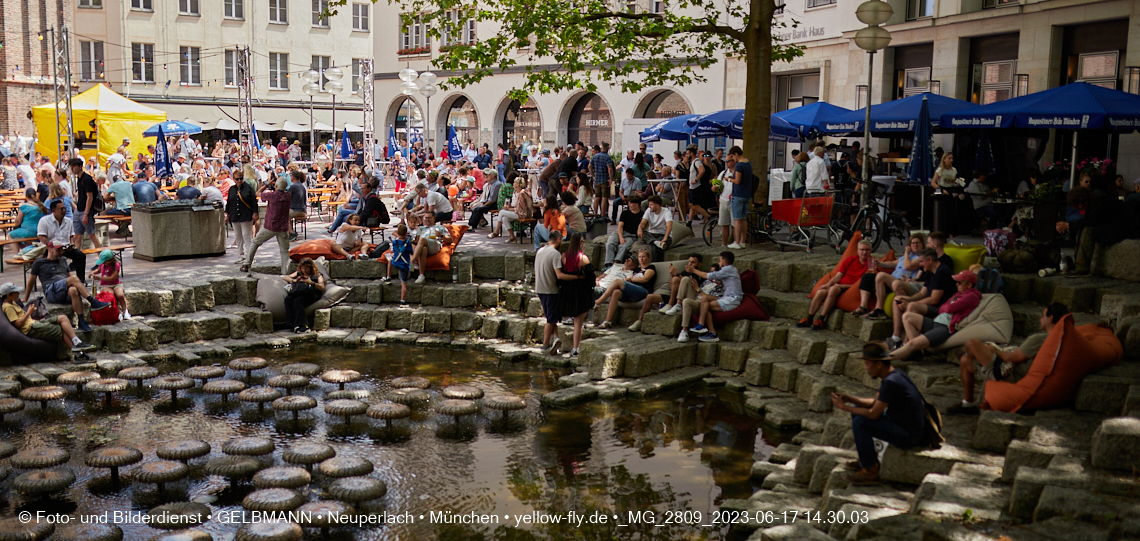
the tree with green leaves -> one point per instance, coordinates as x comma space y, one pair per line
621, 42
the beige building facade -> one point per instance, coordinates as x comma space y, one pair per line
181, 56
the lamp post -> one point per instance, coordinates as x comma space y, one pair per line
426, 87
871, 39
311, 88
333, 86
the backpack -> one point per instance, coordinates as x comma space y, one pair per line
108, 315
402, 254
379, 214
932, 437
989, 280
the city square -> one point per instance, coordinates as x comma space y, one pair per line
281, 271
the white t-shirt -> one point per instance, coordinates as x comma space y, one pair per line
27, 174
726, 185
212, 194
657, 221
115, 165
613, 273
437, 200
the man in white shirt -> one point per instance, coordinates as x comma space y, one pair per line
27, 174
533, 159
432, 202
116, 163
657, 224
816, 177
627, 161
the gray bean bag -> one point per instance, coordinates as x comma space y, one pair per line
991, 321
23, 348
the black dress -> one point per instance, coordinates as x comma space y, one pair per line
702, 195
576, 297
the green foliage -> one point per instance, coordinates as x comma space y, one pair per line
562, 46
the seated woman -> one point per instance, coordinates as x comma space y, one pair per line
29, 214
351, 197
633, 289
305, 287
348, 241
923, 332
518, 206
901, 280
430, 239
552, 220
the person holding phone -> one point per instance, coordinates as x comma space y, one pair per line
305, 287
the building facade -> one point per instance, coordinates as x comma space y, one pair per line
484, 114
26, 31
181, 56
975, 50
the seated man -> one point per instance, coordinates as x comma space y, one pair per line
622, 239
189, 191
432, 202
1006, 363
59, 285
982, 196
676, 278
122, 193
901, 280
633, 289
656, 224
373, 212
896, 415
615, 272
849, 273
51, 328
430, 238
733, 295
923, 331
938, 286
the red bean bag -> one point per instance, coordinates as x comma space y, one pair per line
749, 309
1068, 355
849, 300
441, 260
316, 248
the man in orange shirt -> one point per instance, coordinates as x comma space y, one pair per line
849, 273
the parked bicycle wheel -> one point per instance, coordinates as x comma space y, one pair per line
871, 225
710, 231
897, 231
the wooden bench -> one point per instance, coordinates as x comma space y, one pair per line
123, 222
383, 230
118, 250
4, 243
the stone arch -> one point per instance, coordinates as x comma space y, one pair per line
500, 124
565, 137
440, 120
649, 104
393, 113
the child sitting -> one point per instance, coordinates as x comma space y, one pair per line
106, 271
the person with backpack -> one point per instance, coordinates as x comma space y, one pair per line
896, 415
401, 258
373, 212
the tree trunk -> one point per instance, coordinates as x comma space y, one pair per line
758, 92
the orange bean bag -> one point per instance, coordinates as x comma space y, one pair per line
849, 300
313, 249
1068, 355
441, 260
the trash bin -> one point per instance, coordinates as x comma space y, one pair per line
943, 213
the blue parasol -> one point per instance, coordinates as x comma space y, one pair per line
172, 127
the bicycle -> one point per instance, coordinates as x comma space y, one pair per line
760, 223
867, 220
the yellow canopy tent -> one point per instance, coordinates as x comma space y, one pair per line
114, 117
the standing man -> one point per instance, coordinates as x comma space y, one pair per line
276, 223
896, 415
741, 197
547, 272
116, 163
298, 201
602, 170
817, 179
84, 220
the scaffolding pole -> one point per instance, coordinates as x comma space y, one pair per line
245, 102
367, 95
61, 81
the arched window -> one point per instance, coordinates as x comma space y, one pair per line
521, 123
590, 121
666, 104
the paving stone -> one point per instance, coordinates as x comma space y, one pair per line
784, 375
493, 327
138, 299
659, 383
839, 530
341, 315
465, 321
758, 367
488, 264
514, 300
736, 331
432, 295
437, 321
1116, 444
488, 295
397, 337
256, 319
947, 497
809, 346
111, 364
162, 302
519, 330
514, 266
569, 396
183, 297
333, 336
1082, 505
1107, 390
379, 321
1030, 482
655, 322
1119, 305
775, 337
202, 293
789, 532
707, 353
997, 429
786, 414
877, 497
460, 296
405, 319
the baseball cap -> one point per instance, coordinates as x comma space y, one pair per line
966, 276
562, 175
8, 288
104, 256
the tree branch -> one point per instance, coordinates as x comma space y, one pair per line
695, 29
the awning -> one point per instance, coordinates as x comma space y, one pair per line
320, 126
225, 124
290, 126
263, 126
352, 128
198, 113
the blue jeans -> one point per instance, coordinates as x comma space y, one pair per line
739, 207
866, 428
541, 235
341, 216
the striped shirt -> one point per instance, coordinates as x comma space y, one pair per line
602, 164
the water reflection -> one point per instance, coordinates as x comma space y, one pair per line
687, 450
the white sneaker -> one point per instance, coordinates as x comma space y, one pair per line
126, 314
556, 346
605, 325
674, 310
734, 246
421, 279
636, 326
684, 336
665, 309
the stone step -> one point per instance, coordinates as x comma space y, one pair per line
1066, 529
785, 305
845, 522
807, 461
1083, 505
996, 430
956, 497
1116, 444
910, 466
758, 365
605, 355
1031, 482
657, 383
791, 532
1106, 390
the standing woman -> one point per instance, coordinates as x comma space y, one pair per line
305, 287
241, 207
11, 178
574, 295
701, 197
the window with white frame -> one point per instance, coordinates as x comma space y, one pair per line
188, 7
278, 11
466, 30
919, 9
414, 39
90, 60
278, 71
319, 9
658, 6
320, 64
356, 75
360, 17
142, 62
818, 3
145, 5
231, 67
994, 80
90, 3
915, 81
189, 65
234, 9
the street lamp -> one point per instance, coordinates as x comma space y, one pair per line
311, 89
426, 87
333, 86
871, 39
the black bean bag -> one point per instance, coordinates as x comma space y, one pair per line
24, 349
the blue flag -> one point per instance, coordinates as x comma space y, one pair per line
415, 135
393, 144
454, 151
256, 143
345, 145
162, 155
